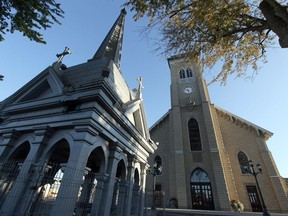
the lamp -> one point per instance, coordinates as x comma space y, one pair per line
252, 171
157, 170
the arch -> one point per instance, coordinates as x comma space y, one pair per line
96, 160
21, 152
118, 199
11, 148
52, 168
201, 190
136, 177
199, 175
121, 170
243, 162
59, 152
95, 165
194, 135
135, 193
11, 169
182, 73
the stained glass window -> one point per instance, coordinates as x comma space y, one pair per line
194, 135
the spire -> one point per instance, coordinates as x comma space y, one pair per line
111, 47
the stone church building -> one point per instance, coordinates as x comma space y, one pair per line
74, 140
204, 152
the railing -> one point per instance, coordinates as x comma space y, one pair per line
36, 189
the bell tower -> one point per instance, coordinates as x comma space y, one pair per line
195, 136
188, 92
188, 88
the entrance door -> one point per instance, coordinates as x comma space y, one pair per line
254, 199
202, 196
201, 190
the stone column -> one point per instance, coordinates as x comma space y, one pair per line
87, 187
115, 198
142, 195
120, 205
101, 182
37, 169
6, 144
106, 201
130, 179
136, 200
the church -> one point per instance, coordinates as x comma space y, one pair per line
74, 140
207, 156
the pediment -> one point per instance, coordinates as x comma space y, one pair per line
43, 90
45, 85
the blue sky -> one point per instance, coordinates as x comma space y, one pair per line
262, 101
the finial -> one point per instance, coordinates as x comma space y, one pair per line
61, 55
140, 87
123, 11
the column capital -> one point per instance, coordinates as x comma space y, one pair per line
144, 166
114, 147
46, 131
9, 137
132, 158
102, 177
42, 134
10, 134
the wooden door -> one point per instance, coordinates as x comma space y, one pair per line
254, 199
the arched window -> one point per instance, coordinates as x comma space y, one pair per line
199, 175
243, 162
189, 73
158, 165
194, 135
182, 74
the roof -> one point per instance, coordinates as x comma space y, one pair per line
267, 134
111, 47
235, 117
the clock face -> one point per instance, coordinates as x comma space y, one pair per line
188, 90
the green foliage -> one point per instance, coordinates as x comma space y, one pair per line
28, 17
233, 33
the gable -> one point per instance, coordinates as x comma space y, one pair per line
44, 85
43, 90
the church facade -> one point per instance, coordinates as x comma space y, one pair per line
204, 153
74, 140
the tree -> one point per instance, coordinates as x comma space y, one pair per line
234, 33
28, 17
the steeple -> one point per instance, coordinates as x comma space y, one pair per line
111, 47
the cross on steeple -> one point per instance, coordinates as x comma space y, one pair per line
61, 55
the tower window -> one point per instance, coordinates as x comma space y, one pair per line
194, 135
182, 74
189, 73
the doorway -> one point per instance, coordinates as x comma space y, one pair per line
254, 199
201, 190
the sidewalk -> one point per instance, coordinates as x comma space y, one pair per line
175, 212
